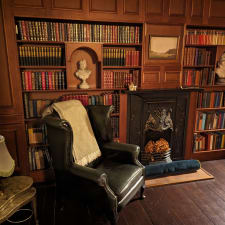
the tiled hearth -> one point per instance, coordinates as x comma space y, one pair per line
158, 114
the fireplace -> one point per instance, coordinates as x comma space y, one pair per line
156, 118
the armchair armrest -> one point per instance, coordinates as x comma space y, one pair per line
88, 173
129, 151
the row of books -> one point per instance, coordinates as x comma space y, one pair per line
197, 57
119, 79
40, 55
37, 134
191, 77
103, 99
77, 32
211, 99
207, 77
43, 80
120, 57
205, 37
34, 107
209, 141
115, 126
210, 120
198, 77
39, 157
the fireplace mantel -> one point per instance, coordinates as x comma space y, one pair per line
142, 103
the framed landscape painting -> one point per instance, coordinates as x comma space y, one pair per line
163, 47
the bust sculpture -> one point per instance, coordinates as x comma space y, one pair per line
83, 73
220, 70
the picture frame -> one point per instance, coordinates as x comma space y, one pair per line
163, 47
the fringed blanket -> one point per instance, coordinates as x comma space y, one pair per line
85, 147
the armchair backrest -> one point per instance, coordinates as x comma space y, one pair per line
99, 116
60, 140
60, 135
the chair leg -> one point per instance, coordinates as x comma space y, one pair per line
142, 196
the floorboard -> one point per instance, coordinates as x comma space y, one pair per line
194, 203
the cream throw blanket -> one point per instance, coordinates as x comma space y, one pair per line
85, 147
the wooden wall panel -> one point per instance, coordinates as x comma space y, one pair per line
216, 15
131, 7
68, 4
151, 78
195, 11
10, 92
103, 6
217, 8
5, 84
197, 8
154, 7
28, 3
177, 8
16, 145
171, 78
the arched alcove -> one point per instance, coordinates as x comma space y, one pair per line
75, 52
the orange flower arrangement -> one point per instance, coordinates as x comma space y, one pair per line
159, 146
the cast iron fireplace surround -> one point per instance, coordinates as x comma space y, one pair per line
143, 103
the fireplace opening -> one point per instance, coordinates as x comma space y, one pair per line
157, 136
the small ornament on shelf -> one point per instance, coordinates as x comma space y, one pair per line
132, 87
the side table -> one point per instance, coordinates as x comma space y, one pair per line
17, 192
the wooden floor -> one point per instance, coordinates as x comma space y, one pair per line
195, 203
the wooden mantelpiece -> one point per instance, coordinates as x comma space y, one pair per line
141, 103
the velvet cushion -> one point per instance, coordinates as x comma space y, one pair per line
180, 166
99, 116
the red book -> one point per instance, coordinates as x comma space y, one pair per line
29, 80
50, 80
43, 80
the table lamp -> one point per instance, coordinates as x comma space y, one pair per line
7, 164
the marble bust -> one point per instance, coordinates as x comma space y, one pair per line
220, 70
83, 73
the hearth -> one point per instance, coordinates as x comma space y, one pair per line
158, 115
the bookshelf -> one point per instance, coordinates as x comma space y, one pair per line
49, 52
203, 49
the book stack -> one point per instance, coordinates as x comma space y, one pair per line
210, 120
209, 141
33, 108
40, 55
197, 57
77, 32
39, 157
103, 99
120, 57
191, 78
37, 135
205, 37
211, 99
119, 79
43, 80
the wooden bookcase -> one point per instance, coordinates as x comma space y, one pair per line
203, 49
49, 52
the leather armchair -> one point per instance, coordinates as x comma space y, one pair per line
112, 180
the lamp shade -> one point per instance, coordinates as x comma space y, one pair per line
7, 164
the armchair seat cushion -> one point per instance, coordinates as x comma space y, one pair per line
121, 177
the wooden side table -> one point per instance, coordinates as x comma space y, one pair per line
17, 192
